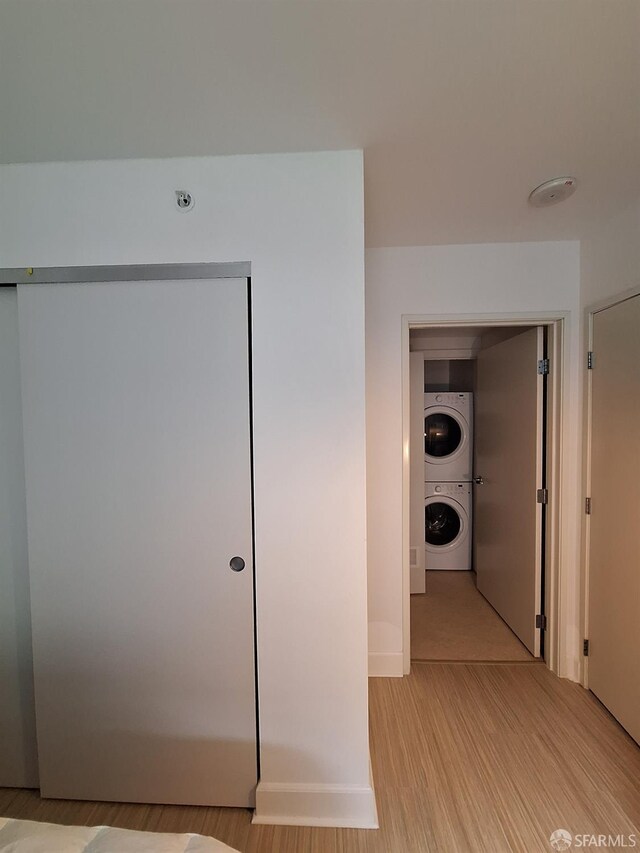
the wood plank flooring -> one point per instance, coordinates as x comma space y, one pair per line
466, 757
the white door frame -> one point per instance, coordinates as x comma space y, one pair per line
590, 310
555, 323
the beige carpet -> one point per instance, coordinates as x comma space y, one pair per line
453, 621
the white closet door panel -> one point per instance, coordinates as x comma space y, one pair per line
137, 448
614, 538
18, 754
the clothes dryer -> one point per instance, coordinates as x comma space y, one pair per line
448, 437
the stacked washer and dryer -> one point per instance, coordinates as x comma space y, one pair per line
448, 458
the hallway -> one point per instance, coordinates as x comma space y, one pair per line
452, 621
467, 758
496, 757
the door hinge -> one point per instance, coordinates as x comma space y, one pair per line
541, 621
585, 648
587, 506
542, 496
543, 366
590, 360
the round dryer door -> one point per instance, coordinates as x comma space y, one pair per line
443, 434
443, 524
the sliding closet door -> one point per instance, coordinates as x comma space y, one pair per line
137, 448
18, 753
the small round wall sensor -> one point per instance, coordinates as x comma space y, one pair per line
184, 200
553, 191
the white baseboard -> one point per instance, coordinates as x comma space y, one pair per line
316, 805
386, 665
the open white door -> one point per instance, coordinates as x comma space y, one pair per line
418, 575
509, 433
137, 449
614, 541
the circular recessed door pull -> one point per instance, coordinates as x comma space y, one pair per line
237, 564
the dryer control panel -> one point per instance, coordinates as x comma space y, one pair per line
449, 398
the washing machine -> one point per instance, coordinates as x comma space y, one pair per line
448, 437
447, 526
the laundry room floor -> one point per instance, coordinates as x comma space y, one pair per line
452, 621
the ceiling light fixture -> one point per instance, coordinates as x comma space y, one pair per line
553, 191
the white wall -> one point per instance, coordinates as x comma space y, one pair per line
299, 220
18, 755
610, 256
465, 279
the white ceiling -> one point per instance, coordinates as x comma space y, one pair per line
461, 106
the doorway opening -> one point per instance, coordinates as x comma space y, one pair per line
481, 511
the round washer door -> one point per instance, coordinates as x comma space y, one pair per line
445, 523
446, 434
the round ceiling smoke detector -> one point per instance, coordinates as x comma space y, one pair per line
551, 192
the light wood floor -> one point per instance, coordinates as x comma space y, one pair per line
466, 757
453, 621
